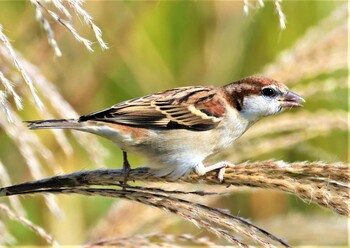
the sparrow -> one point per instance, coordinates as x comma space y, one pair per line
177, 129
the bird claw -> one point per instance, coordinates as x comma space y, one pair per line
221, 174
126, 173
220, 167
126, 170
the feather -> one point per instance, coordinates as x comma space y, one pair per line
195, 108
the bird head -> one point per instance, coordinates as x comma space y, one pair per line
256, 97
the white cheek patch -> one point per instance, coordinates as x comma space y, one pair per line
255, 107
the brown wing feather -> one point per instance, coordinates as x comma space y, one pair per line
195, 108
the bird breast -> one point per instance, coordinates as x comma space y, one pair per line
180, 146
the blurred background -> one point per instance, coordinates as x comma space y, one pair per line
154, 46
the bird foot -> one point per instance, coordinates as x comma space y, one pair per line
220, 167
126, 170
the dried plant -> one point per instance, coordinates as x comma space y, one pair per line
53, 99
287, 131
153, 240
30, 147
5, 236
14, 201
325, 42
12, 61
324, 184
40, 231
62, 109
214, 220
76, 6
47, 27
22, 81
10, 90
317, 224
10, 53
5, 106
260, 3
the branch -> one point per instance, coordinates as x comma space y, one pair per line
321, 183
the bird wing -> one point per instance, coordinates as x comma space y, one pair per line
196, 108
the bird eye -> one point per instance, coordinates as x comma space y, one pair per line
269, 92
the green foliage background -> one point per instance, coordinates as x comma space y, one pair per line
156, 45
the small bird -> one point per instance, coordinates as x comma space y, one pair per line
177, 129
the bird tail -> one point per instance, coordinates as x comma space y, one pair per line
54, 123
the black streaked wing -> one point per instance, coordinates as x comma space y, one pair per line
195, 108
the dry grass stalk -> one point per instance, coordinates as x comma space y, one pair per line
278, 7
261, 3
310, 229
87, 43
5, 237
29, 144
11, 91
4, 106
116, 221
270, 144
172, 192
317, 121
324, 184
47, 27
40, 231
282, 17
246, 7
296, 128
60, 106
153, 240
75, 5
213, 220
7, 48
319, 87
30, 147
59, 5
63, 109
326, 41
14, 201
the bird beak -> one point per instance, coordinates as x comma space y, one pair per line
291, 100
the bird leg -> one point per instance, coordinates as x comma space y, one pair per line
220, 166
126, 168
